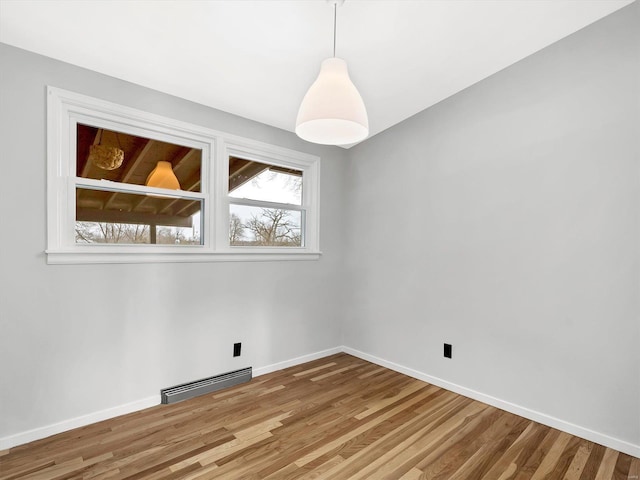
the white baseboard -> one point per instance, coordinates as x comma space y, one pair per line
602, 439
43, 432
539, 417
295, 361
47, 431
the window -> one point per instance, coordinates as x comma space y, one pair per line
127, 186
112, 166
272, 200
265, 204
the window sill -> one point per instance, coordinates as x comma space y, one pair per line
79, 258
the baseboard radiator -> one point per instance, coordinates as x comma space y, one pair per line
206, 385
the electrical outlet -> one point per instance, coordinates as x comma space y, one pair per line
236, 349
447, 350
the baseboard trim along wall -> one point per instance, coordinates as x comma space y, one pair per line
47, 431
295, 361
63, 426
542, 418
607, 441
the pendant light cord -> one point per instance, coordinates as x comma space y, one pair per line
335, 15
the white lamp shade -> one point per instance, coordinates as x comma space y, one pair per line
163, 177
332, 112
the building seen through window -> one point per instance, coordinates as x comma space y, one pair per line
105, 214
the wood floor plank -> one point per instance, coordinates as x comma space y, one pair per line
504, 466
564, 461
354, 442
413, 474
331, 445
579, 461
634, 469
334, 418
380, 404
593, 463
425, 437
495, 441
519, 456
552, 457
426, 421
621, 470
608, 465
501, 431
314, 369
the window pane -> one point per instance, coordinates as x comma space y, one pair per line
167, 235
257, 226
260, 181
128, 218
120, 157
105, 232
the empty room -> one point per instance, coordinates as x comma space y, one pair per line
328, 239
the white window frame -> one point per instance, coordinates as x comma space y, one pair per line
310, 190
65, 109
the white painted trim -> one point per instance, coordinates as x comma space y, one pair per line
310, 167
164, 256
295, 361
539, 417
109, 186
63, 426
262, 203
65, 109
588, 434
47, 431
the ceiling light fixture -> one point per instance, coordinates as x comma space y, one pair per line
105, 157
163, 177
332, 112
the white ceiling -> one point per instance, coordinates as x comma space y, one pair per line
256, 59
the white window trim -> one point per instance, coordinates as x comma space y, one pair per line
310, 188
65, 109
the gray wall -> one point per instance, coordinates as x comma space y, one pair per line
505, 220
79, 339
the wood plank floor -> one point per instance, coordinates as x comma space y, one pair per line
335, 418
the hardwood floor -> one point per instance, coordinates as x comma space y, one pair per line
335, 418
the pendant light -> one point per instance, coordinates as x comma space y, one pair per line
332, 112
106, 157
163, 177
